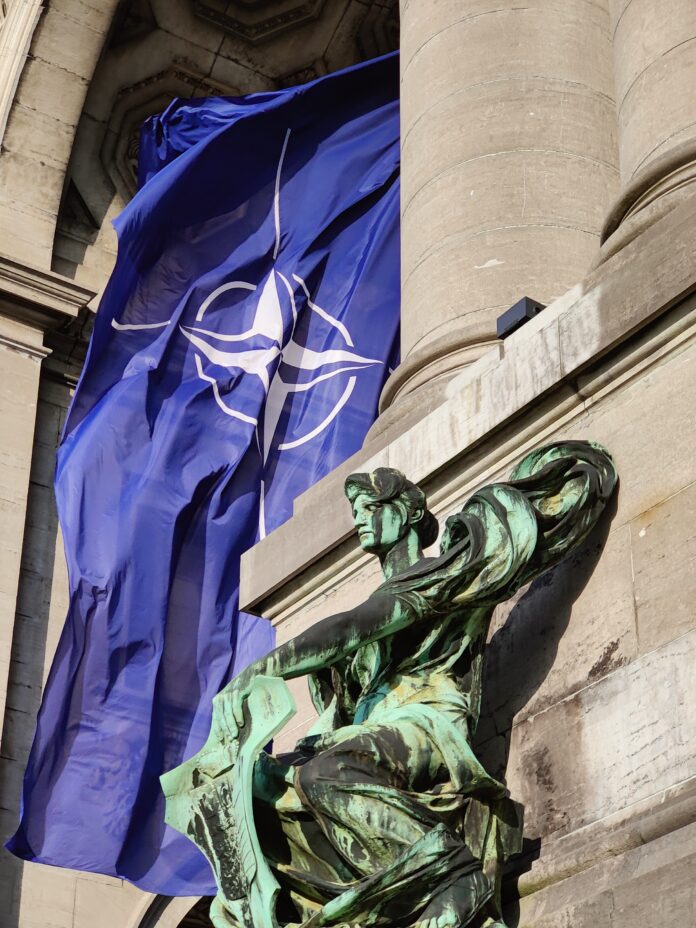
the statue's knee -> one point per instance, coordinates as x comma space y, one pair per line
312, 778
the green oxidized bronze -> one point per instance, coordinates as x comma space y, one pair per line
384, 816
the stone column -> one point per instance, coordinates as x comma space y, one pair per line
655, 73
16, 30
508, 167
30, 302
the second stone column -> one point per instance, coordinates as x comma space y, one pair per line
655, 67
509, 162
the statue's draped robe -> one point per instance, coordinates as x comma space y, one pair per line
385, 796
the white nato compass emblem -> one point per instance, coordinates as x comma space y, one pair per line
281, 353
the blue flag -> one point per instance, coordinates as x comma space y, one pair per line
237, 357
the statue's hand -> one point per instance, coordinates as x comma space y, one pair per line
228, 712
234, 697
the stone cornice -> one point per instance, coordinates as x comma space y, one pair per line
24, 347
39, 298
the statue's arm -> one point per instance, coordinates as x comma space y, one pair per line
331, 639
508, 530
514, 532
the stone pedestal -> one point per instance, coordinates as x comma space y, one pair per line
655, 71
508, 167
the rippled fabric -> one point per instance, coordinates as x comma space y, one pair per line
237, 357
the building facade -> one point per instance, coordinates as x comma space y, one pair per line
548, 150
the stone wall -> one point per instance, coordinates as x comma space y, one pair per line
587, 710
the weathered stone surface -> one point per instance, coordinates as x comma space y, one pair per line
523, 227
52, 894
91, 14
501, 195
663, 541
661, 894
650, 885
536, 113
557, 858
20, 191
620, 740
578, 911
37, 136
646, 480
654, 62
19, 379
95, 896
501, 41
71, 42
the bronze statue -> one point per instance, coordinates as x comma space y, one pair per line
383, 816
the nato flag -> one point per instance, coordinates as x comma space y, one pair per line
237, 357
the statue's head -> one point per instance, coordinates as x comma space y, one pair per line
386, 508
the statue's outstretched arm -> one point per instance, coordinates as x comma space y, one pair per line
330, 640
477, 569
506, 534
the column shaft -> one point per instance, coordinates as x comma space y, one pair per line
31, 301
509, 164
655, 72
21, 351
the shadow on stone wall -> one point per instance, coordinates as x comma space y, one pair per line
520, 656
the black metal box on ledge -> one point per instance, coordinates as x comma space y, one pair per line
524, 310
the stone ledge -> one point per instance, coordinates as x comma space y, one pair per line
610, 837
39, 298
643, 281
652, 881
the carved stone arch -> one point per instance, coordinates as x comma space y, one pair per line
103, 169
133, 104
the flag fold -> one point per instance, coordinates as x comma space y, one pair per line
237, 357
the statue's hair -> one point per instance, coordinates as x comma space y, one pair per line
386, 485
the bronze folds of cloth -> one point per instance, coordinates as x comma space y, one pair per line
383, 816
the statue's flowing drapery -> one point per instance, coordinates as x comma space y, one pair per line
384, 816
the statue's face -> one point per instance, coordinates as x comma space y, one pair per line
379, 525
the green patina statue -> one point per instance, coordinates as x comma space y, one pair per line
383, 816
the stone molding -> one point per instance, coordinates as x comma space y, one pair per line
660, 177
259, 20
652, 193
16, 31
629, 828
643, 281
438, 361
39, 298
24, 347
